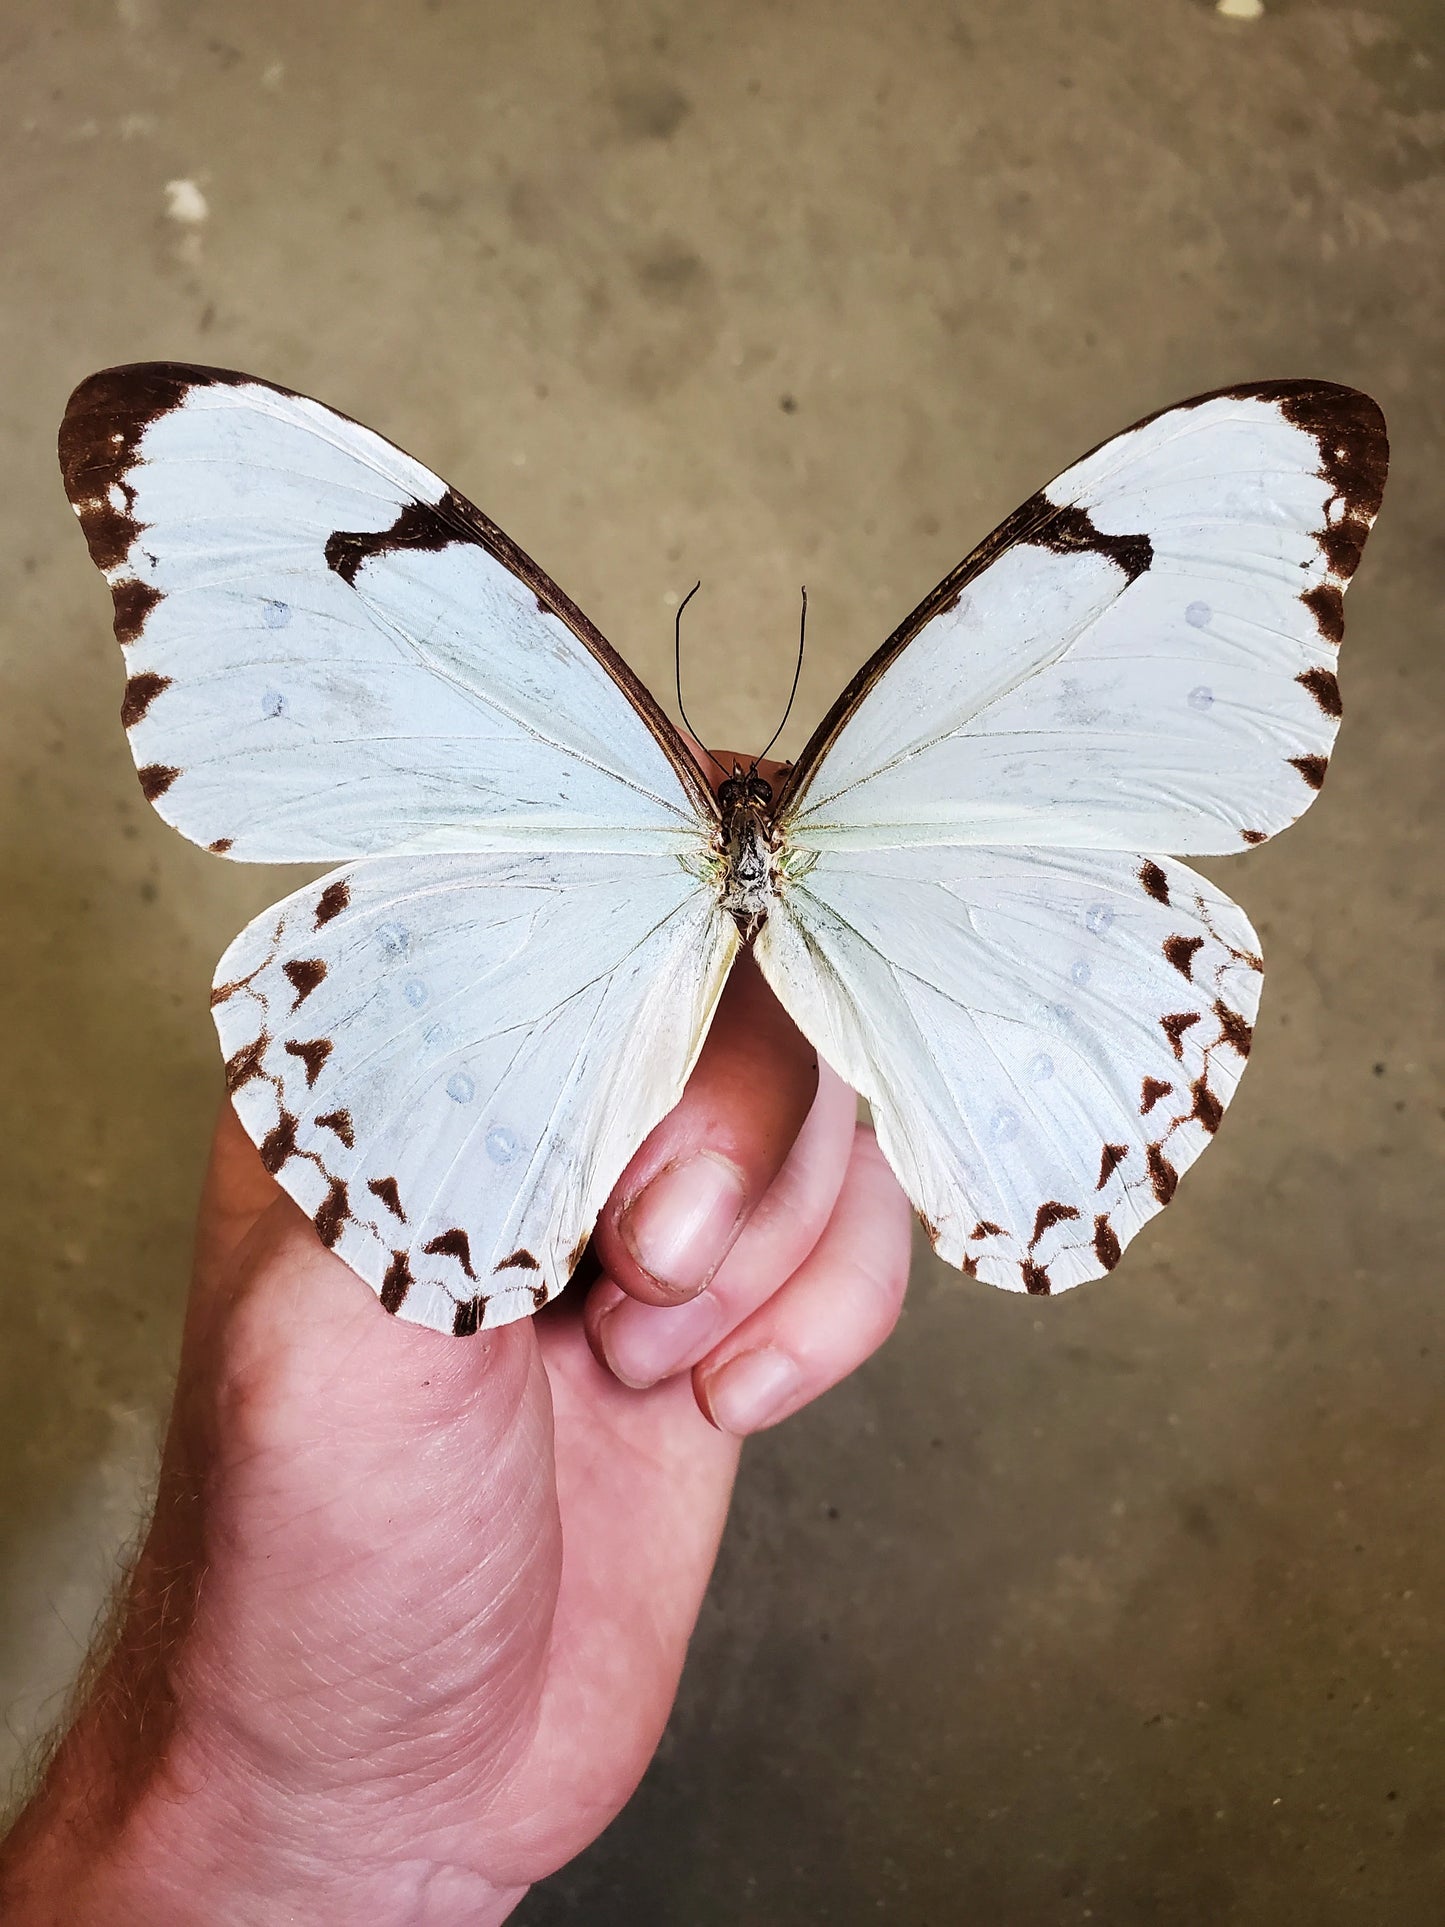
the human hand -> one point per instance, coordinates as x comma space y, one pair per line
413, 1609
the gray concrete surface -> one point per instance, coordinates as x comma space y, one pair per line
1124, 1608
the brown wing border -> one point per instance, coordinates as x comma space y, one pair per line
100, 434
1349, 431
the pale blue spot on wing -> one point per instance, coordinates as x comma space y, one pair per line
275, 615
1197, 615
461, 1088
502, 1145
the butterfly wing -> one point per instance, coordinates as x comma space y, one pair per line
1048, 1024
332, 654
447, 1061
446, 1054
1141, 658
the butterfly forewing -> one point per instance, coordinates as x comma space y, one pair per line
331, 654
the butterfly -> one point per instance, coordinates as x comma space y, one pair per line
447, 1049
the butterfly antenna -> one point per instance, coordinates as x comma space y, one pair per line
797, 671
677, 671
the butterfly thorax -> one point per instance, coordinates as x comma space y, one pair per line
749, 850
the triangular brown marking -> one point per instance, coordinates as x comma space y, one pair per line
313, 1054
397, 1282
1150, 1092
156, 779
304, 974
246, 1063
453, 1244
1070, 531
1311, 768
1174, 1027
279, 1143
1036, 1279
133, 601
1048, 1215
578, 1252
930, 1229
1324, 686
332, 901
385, 1189
468, 1318
985, 1229
1113, 1156
1208, 1110
1233, 1030
332, 1213
1162, 1174
968, 1266
1154, 881
1254, 836
340, 1122
1326, 603
519, 1261
140, 692
1106, 1246
1181, 952
221, 845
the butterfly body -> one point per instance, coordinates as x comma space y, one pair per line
448, 1049
748, 849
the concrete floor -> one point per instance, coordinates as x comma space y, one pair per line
1125, 1607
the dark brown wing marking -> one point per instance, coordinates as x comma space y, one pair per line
1162, 1175
304, 974
340, 1122
1324, 686
1154, 881
332, 901
140, 692
313, 1053
221, 845
519, 1261
1150, 1093
453, 1243
156, 779
1113, 1156
1107, 1248
985, 1229
468, 1317
1050, 1214
1174, 1027
332, 1214
1181, 952
1254, 836
397, 1283
1311, 768
1036, 1279
386, 1190
1070, 531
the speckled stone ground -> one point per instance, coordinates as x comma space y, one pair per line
1125, 1607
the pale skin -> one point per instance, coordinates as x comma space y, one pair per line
412, 1610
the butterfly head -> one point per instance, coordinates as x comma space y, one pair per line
744, 786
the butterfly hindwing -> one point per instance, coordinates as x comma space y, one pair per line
1047, 1041
448, 1061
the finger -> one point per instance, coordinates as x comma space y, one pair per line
834, 1312
643, 1343
681, 1202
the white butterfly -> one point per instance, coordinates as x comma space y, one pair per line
448, 1049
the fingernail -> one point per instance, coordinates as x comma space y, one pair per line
679, 1228
751, 1390
645, 1343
